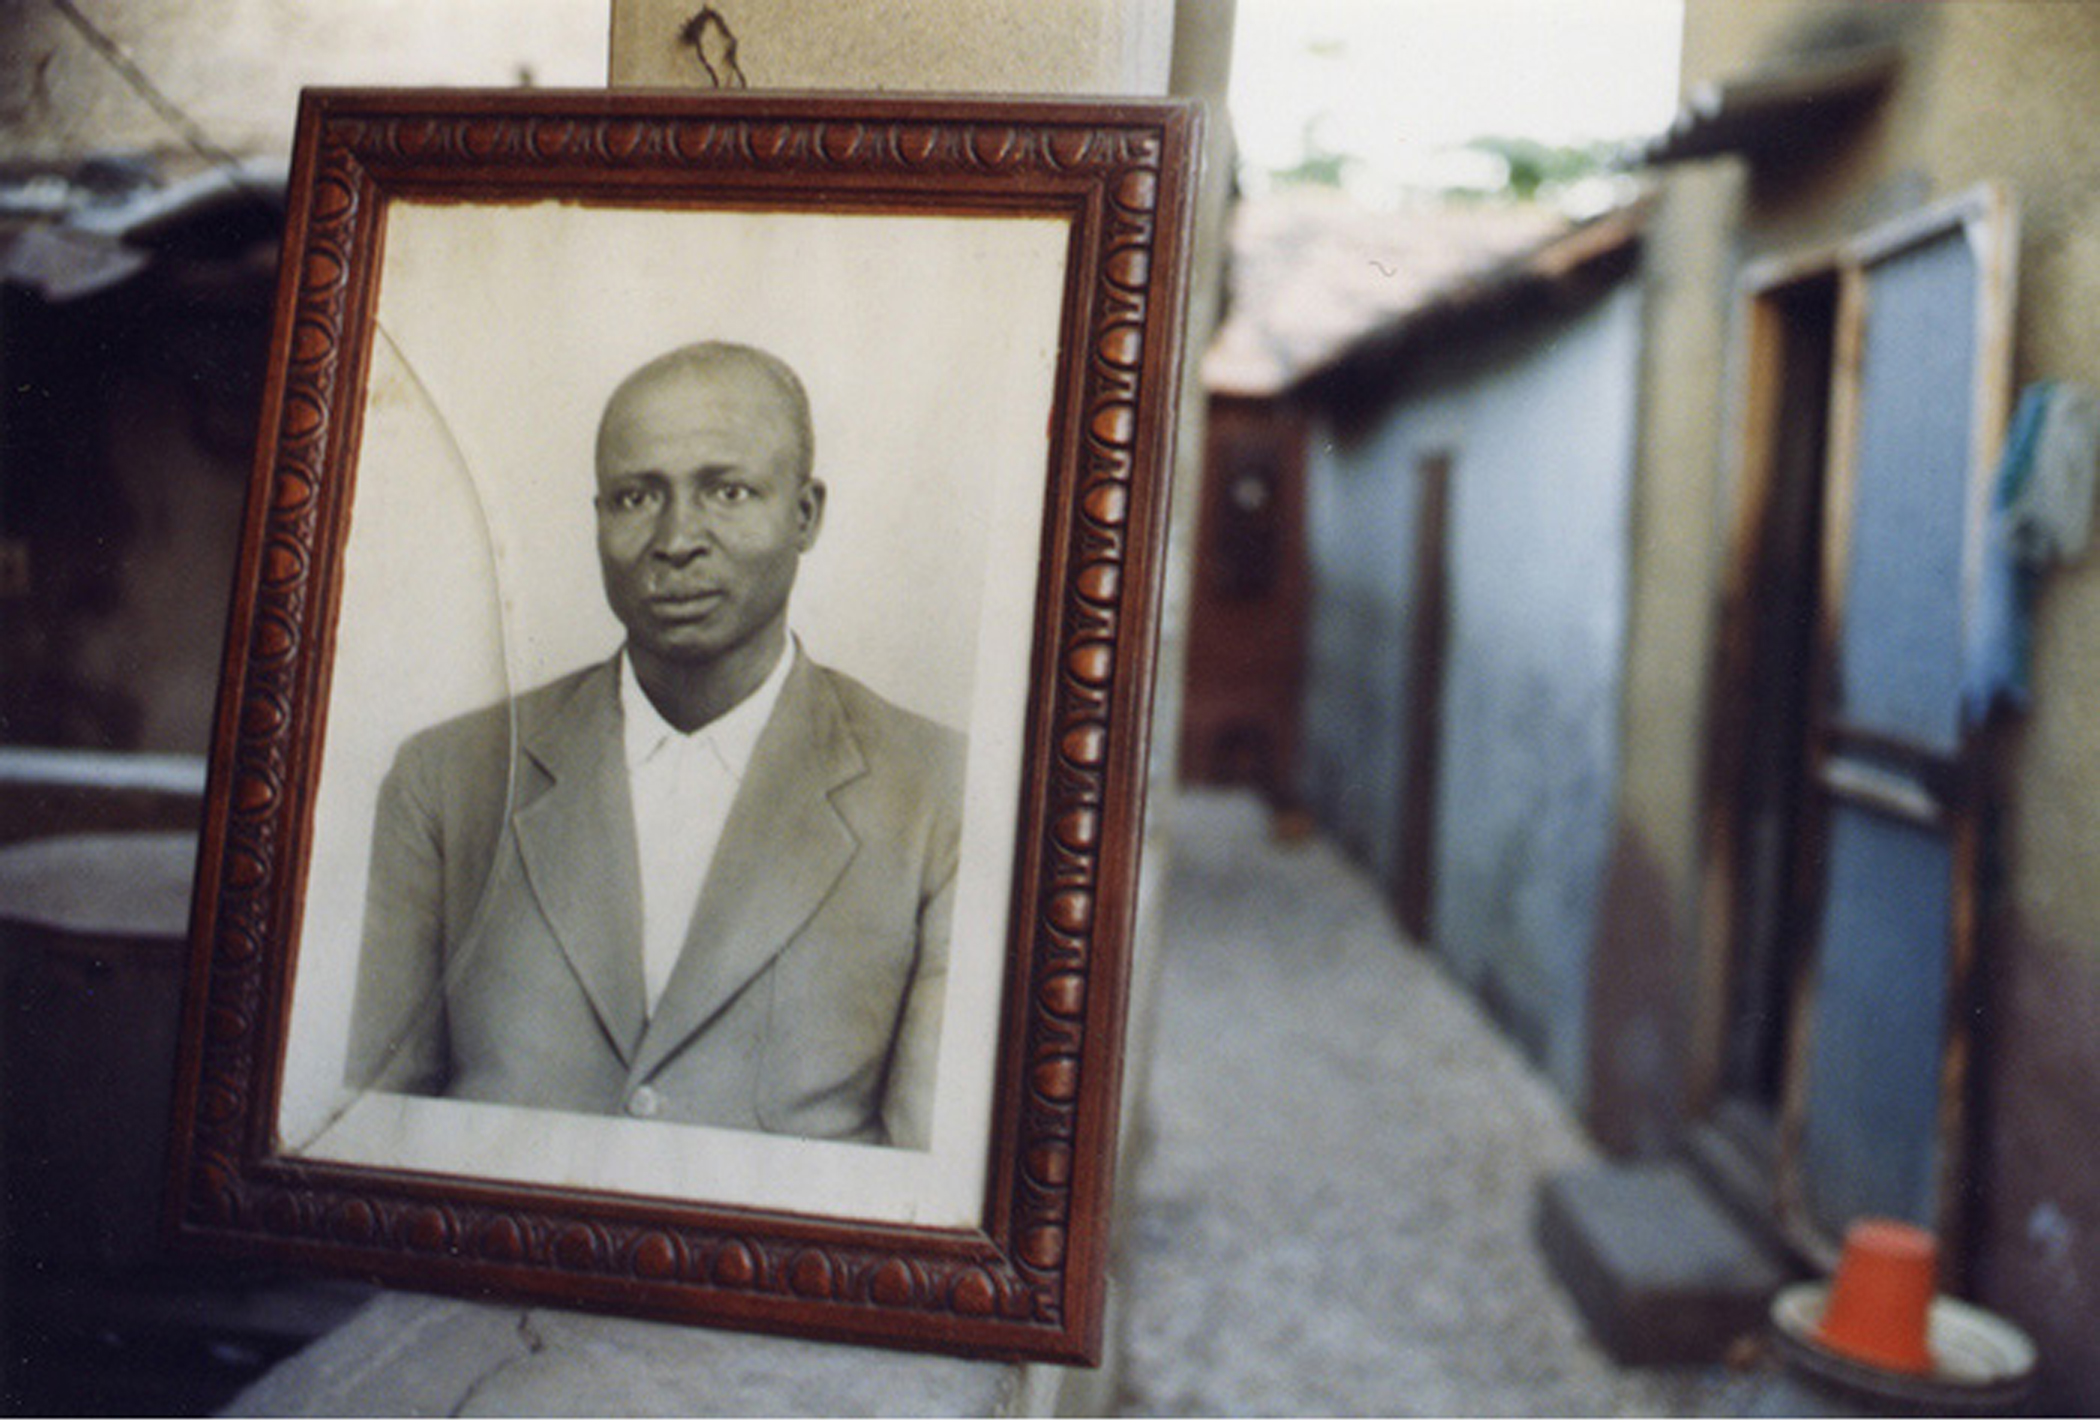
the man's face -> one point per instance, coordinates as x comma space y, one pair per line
703, 515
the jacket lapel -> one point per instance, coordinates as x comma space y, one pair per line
782, 850
576, 838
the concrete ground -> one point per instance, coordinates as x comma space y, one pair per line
1335, 1188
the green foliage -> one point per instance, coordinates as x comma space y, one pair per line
1533, 166
1318, 165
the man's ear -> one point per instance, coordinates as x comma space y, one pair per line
809, 512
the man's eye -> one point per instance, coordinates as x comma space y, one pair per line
632, 500
731, 492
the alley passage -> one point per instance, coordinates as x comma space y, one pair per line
1335, 1190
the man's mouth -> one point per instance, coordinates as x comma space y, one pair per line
684, 603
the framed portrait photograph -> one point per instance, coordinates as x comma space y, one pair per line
674, 812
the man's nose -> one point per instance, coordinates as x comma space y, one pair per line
682, 529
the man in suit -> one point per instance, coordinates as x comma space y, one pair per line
708, 881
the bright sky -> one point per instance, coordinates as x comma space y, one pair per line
1397, 81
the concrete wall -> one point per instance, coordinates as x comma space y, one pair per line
131, 414
235, 67
1643, 958
1539, 427
2005, 91
1000, 46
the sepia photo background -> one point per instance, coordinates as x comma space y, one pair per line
929, 348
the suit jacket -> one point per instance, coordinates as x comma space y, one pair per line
502, 954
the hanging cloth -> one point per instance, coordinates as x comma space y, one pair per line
2041, 514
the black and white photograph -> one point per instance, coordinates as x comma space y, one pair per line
675, 717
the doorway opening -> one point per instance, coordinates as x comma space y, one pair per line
1774, 614
1421, 732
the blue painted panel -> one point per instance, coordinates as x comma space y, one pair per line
1360, 525
1540, 425
1877, 1022
1900, 664
1540, 495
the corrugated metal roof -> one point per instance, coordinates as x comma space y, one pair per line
1322, 286
1311, 274
68, 236
1567, 269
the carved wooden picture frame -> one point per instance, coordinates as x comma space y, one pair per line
982, 302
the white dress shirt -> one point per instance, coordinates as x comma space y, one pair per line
681, 785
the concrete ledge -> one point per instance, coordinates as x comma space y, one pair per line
409, 1355
52, 792
1661, 1275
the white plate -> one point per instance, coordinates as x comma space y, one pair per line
1979, 1360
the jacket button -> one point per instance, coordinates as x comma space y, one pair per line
645, 1102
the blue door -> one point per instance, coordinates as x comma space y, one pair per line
1876, 1075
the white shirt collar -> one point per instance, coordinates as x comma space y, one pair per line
732, 736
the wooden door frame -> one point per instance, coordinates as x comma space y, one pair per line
1985, 215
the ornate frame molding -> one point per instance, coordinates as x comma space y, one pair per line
1029, 1282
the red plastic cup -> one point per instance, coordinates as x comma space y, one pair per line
1881, 1300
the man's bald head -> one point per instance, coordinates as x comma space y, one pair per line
716, 361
